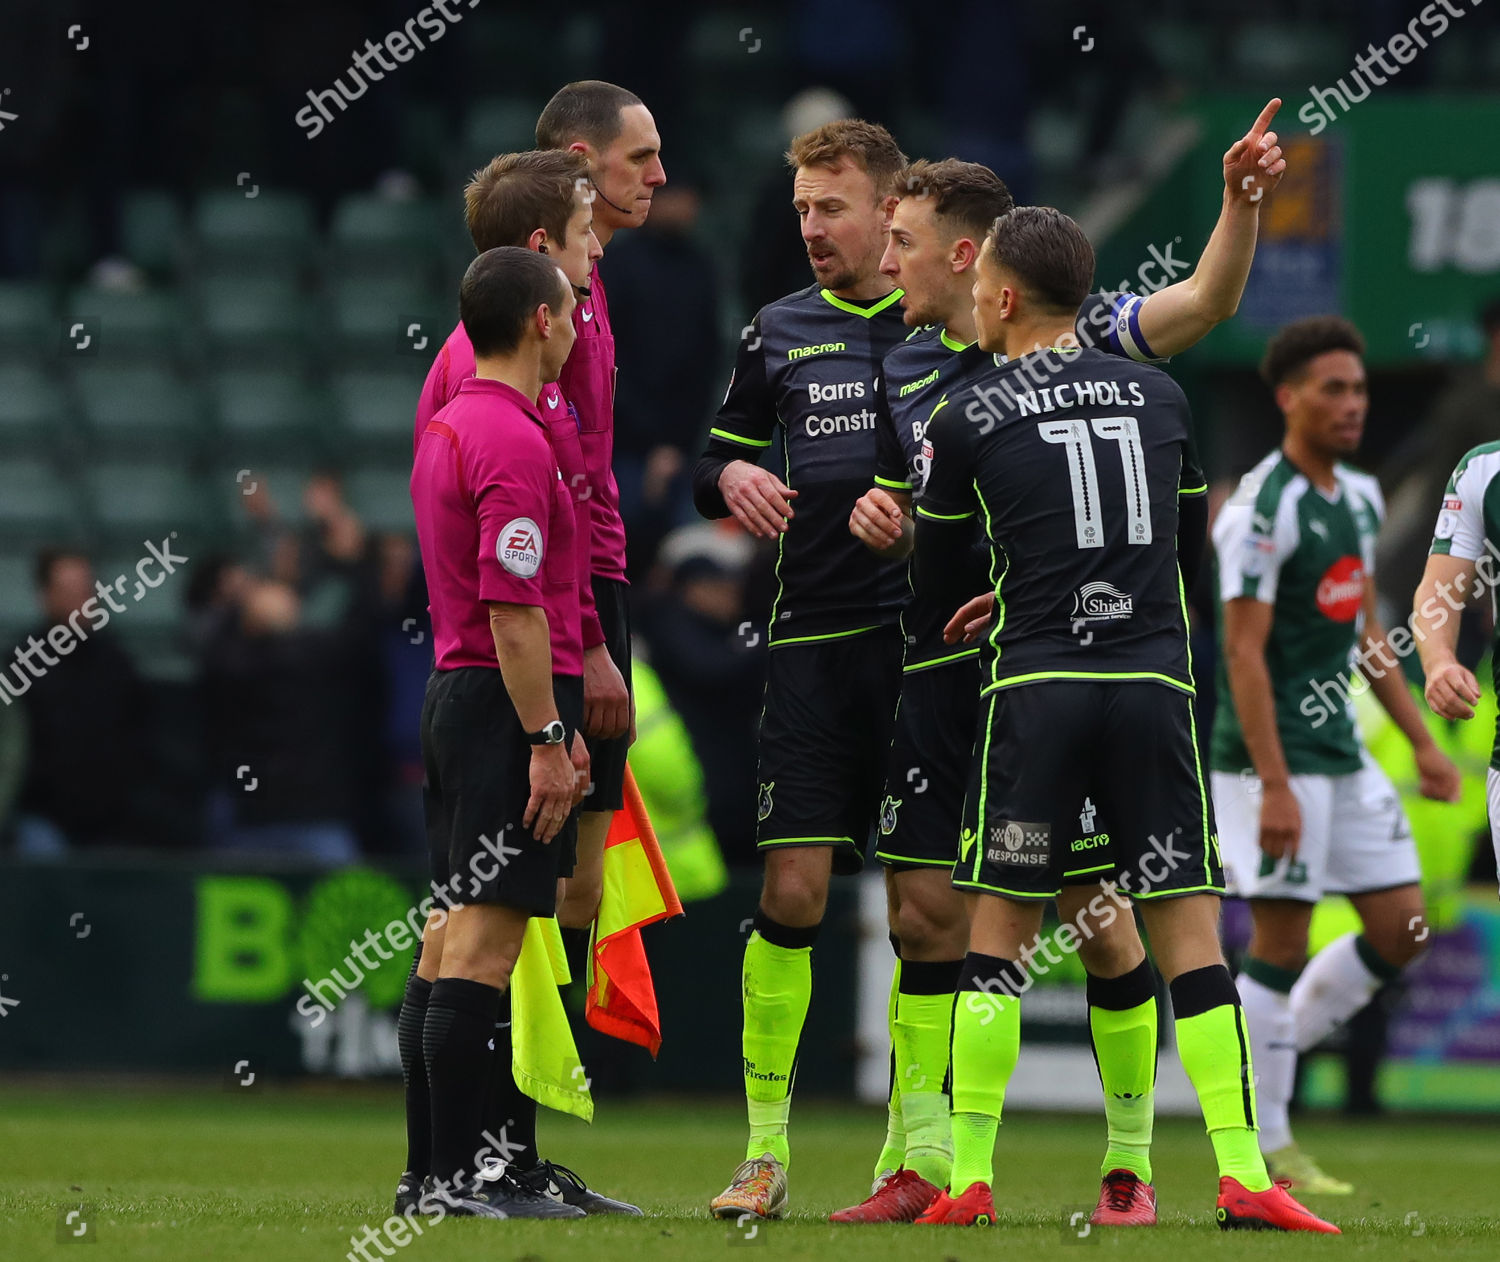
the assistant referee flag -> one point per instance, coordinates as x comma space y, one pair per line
638, 891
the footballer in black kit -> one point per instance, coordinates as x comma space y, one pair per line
1072, 462
928, 769
810, 365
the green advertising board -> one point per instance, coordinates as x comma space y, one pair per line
162, 967
1389, 214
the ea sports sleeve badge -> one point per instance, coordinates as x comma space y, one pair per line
518, 547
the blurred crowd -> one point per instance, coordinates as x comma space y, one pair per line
297, 733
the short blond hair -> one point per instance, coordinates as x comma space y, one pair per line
868, 145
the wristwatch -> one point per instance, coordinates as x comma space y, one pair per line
554, 733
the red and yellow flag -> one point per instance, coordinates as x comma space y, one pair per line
638, 891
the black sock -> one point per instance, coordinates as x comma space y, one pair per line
509, 1113
456, 1045
414, 1073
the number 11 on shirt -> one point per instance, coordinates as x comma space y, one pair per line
1124, 432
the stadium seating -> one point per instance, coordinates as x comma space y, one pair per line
37, 506
138, 410
32, 407
266, 411
122, 325
267, 224
135, 501
28, 317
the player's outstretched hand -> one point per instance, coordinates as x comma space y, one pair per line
1441, 780
1280, 822
606, 700
760, 501
877, 520
583, 777
1253, 165
552, 788
970, 621
1452, 691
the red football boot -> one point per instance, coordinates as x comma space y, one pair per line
1125, 1200
897, 1197
1271, 1210
975, 1208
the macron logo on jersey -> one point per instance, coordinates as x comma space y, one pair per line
519, 547
802, 352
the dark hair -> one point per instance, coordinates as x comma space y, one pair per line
1048, 253
517, 193
1297, 344
871, 148
501, 290
587, 110
48, 559
969, 195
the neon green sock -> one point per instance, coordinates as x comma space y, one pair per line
986, 1045
1215, 1051
923, 1034
1125, 1048
894, 1150
777, 989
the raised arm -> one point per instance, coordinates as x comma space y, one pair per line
1182, 314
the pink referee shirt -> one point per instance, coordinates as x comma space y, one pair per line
495, 525
588, 381
455, 363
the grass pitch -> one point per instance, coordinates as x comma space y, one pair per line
287, 1175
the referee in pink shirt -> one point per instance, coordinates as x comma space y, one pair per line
541, 200
505, 762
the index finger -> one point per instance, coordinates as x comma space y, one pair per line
1266, 115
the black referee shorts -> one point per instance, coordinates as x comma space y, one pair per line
607, 758
1049, 751
478, 765
927, 778
825, 735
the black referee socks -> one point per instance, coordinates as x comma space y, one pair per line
456, 1045
409, 1025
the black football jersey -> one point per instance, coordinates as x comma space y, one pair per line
917, 375
1072, 462
810, 363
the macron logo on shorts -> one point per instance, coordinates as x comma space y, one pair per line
519, 547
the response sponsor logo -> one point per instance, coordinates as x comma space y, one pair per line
1020, 844
1341, 590
1101, 602
518, 547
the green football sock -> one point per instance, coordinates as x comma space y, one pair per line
923, 1034
986, 1045
777, 989
1215, 1049
1125, 1049
895, 1126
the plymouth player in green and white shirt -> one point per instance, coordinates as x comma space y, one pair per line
1302, 809
1465, 544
